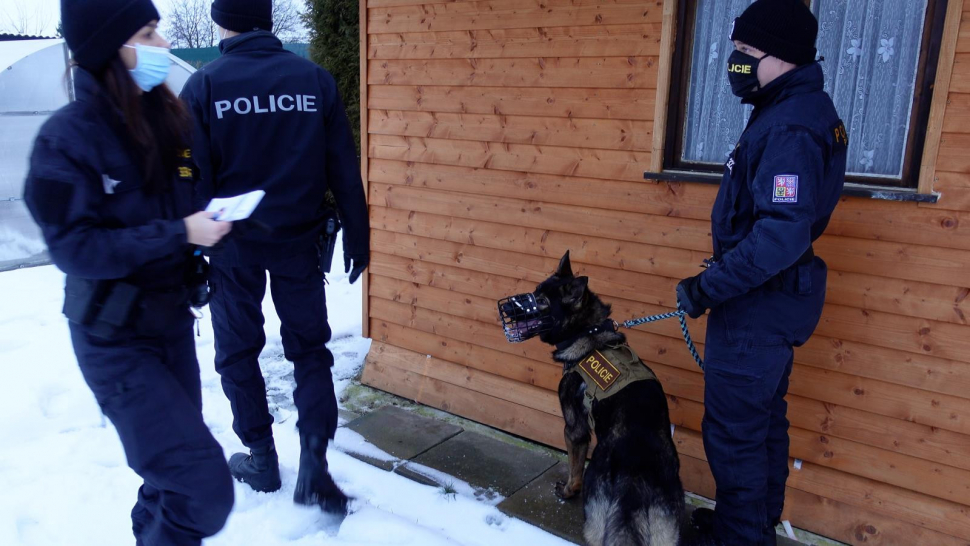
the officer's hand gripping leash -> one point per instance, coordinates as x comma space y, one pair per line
680, 314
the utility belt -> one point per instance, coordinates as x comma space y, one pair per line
114, 308
797, 278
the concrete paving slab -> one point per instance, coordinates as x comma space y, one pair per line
424, 478
401, 433
374, 461
347, 415
406, 435
486, 462
447, 484
537, 504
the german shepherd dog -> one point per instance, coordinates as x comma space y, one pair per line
632, 494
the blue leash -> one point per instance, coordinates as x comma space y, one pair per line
680, 314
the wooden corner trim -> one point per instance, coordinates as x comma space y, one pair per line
941, 91
364, 156
668, 38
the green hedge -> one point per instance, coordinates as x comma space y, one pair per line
335, 45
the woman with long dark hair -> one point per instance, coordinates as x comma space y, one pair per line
111, 185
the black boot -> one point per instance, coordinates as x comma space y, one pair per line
314, 485
702, 527
260, 469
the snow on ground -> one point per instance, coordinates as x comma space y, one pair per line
16, 245
64, 480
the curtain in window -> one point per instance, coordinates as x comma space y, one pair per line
871, 50
715, 117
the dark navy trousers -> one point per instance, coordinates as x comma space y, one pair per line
748, 360
297, 287
150, 390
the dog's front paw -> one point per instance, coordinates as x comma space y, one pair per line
564, 492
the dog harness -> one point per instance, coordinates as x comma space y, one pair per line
608, 371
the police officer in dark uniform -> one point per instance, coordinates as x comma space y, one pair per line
111, 185
765, 287
268, 119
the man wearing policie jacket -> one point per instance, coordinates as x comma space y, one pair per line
267, 119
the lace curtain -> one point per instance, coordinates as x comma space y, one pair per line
871, 50
715, 117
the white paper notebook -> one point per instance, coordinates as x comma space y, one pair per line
231, 209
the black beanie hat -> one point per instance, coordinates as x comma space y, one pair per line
785, 29
243, 15
96, 29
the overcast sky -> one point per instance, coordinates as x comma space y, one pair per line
45, 14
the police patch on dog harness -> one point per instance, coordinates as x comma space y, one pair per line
785, 189
607, 372
600, 370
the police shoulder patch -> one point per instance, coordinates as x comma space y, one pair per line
785, 189
839, 134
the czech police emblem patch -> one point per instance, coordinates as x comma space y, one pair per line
786, 189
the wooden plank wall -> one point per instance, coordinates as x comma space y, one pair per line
503, 132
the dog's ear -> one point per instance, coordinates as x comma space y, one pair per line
565, 268
574, 290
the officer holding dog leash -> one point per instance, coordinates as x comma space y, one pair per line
765, 287
267, 119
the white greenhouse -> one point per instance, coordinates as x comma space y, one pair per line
34, 82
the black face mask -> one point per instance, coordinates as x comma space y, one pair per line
743, 74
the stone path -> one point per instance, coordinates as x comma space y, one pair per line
520, 480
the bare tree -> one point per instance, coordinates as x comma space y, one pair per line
25, 17
288, 22
188, 24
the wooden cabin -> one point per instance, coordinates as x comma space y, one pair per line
497, 134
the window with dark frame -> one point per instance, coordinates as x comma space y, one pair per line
879, 59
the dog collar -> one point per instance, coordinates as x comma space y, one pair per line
608, 325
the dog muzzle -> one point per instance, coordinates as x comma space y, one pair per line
522, 319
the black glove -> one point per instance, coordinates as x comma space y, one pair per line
692, 297
358, 263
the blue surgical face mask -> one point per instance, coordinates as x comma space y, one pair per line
152, 68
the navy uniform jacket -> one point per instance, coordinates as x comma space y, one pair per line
86, 191
267, 119
780, 185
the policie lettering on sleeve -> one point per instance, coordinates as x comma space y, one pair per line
262, 105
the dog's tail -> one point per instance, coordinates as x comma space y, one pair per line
602, 519
606, 525
657, 527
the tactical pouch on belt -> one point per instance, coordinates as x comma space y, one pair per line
197, 281
111, 308
327, 241
82, 299
105, 307
796, 279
